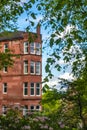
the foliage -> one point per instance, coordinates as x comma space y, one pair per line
6, 59
50, 101
14, 121
67, 23
10, 12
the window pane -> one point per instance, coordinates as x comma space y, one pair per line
38, 48
25, 110
5, 88
32, 89
4, 109
5, 69
5, 47
38, 68
38, 107
32, 67
25, 47
37, 88
25, 89
25, 67
31, 108
32, 49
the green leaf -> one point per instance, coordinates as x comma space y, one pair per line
47, 67
33, 16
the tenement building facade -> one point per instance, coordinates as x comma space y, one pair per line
20, 85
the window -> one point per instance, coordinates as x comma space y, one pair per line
32, 108
5, 88
32, 89
26, 67
5, 69
37, 107
35, 48
4, 109
37, 89
25, 89
5, 47
25, 47
32, 48
25, 110
38, 68
32, 67
38, 48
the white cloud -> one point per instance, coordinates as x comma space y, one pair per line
61, 62
23, 1
67, 76
53, 82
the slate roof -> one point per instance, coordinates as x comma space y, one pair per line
4, 36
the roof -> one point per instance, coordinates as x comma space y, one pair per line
4, 36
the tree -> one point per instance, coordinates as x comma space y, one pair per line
9, 13
67, 23
50, 102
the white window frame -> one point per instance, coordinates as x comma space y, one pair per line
4, 109
32, 109
32, 64
32, 47
38, 48
4, 88
5, 47
25, 88
5, 69
32, 87
26, 45
38, 89
38, 68
25, 110
39, 107
26, 67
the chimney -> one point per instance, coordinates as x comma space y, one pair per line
38, 28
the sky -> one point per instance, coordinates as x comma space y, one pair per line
22, 24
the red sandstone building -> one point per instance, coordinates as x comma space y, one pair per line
20, 85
